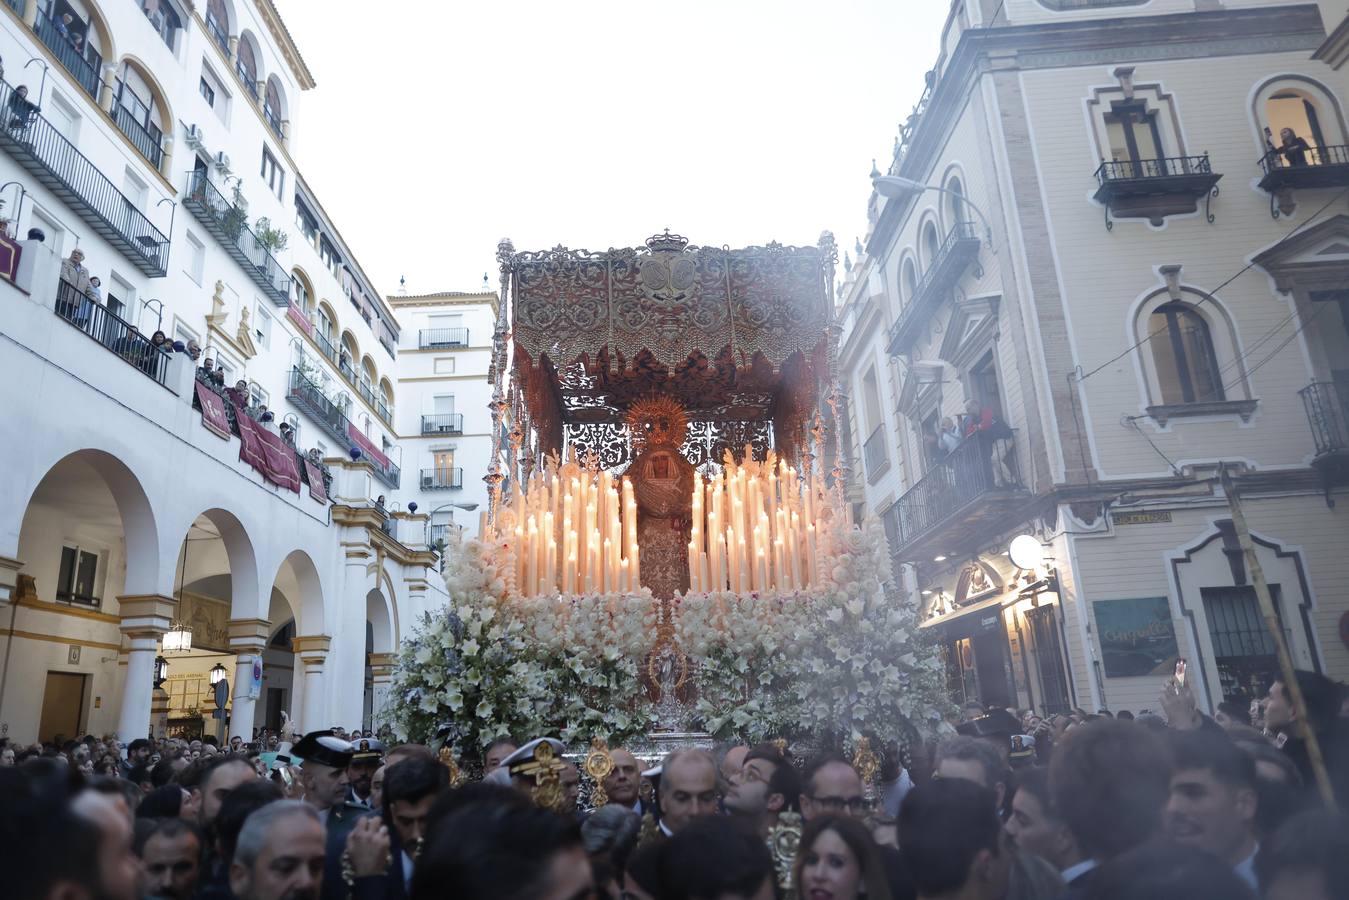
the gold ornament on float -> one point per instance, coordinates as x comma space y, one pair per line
599, 765
657, 420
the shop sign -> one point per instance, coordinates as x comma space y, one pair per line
1141, 517
1137, 636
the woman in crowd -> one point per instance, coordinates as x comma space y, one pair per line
838, 860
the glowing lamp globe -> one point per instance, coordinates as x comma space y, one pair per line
1026, 552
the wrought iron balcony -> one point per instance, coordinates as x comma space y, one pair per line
330, 417
325, 346
229, 224
1153, 189
874, 452
273, 120
36, 145
218, 34
1327, 406
83, 63
133, 118
948, 264
435, 338
974, 485
443, 423
1321, 167
113, 332
250, 79
442, 479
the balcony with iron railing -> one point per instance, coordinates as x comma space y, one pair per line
875, 455
112, 332
1155, 188
229, 224
309, 397
442, 479
325, 346
133, 119
273, 120
1327, 407
45, 153
218, 34
1316, 167
957, 252
443, 423
972, 487
249, 79
83, 62
435, 338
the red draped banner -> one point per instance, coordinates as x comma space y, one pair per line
266, 452
213, 411
367, 447
315, 476
299, 318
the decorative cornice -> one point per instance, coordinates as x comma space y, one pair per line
311, 644
284, 42
60, 610
61, 639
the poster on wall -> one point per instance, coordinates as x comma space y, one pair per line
1137, 636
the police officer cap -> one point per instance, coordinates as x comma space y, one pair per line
530, 757
324, 748
366, 749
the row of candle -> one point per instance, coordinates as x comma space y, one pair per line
754, 529
575, 533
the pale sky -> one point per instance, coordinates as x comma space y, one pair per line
439, 127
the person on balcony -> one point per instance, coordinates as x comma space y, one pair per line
1294, 149
64, 27
21, 109
981, 423
948, 439
73, 271
95, 289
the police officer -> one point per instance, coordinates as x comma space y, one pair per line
366, 758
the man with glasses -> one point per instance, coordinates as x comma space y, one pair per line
766, 785
831, 786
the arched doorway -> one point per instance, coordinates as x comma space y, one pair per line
88, 539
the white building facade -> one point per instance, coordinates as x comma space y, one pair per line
1112, 287
443, 415
159, 143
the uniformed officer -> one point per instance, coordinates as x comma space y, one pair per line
536, 769
323, 773
366, 758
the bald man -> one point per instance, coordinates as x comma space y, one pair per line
622, 783
688, 789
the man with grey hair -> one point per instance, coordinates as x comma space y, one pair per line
688, 788
973, 760
279, 854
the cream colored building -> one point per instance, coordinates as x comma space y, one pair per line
1126, 287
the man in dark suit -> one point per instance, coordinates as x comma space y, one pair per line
411, 787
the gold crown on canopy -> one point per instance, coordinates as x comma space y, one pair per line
657, 420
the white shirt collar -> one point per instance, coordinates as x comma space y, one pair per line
664, 830
407, 870
1077, 870
1245, 869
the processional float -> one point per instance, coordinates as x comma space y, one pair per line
659, 421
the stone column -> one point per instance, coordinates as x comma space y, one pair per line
30, 13
145, 617
381, 678
106, 97
248, 638
311, 651
233, 42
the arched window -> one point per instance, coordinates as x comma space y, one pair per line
139, 113
247, 64
1182, 351
955, 202
272, 108
931, 243
218, 24
908, 280
304, 294
324, 322
1301, 122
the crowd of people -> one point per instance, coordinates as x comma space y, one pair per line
1080, 806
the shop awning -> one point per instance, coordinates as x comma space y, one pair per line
973, 609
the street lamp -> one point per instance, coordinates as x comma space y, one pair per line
217, 673
895, 187
161, 670
430, 517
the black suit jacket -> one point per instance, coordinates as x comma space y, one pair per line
389, 886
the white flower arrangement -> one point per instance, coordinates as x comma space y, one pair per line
835, 662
